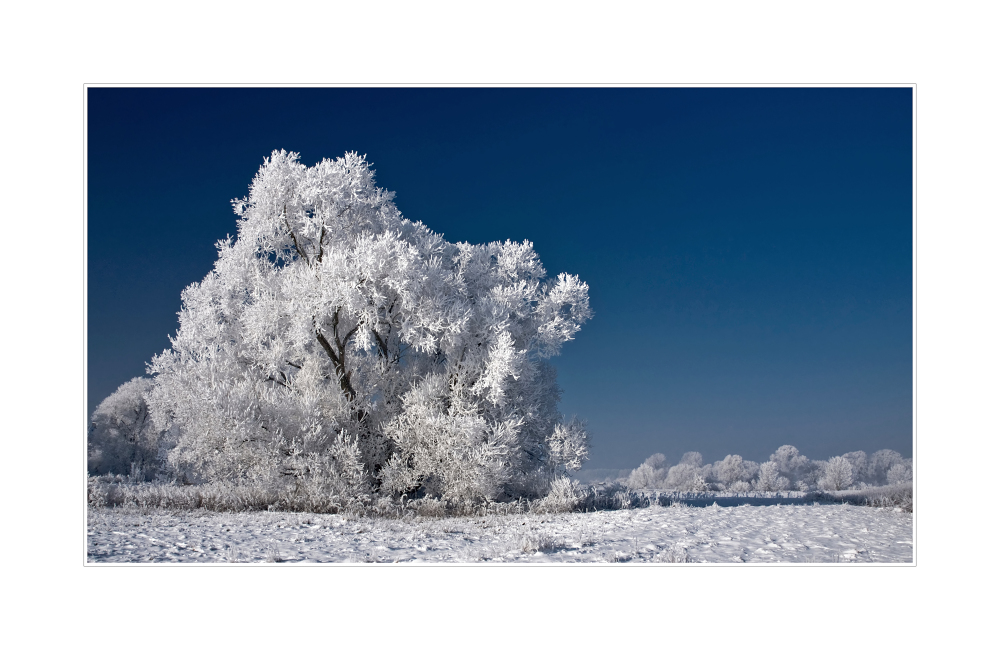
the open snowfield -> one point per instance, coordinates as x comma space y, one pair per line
773, 533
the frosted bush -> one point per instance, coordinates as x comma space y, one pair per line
564, 496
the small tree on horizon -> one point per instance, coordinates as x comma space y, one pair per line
769, 479
838, 474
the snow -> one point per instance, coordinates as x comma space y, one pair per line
774, 533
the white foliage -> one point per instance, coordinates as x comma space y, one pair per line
656, 461
733, 470
336, 338
879, 464
787, 469
791, 464
569, 446
900, 473
564, 495
769, 479
692, 458
740, 486
838, 474
645, 477
123, 438
686, 477
650, 475
859, 465
653, 474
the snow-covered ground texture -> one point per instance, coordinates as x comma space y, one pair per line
820, 533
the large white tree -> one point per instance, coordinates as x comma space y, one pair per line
336, 343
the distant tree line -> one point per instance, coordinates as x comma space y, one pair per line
787, 469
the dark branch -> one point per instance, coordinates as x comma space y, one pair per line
279, 382
322, 234
383, 346
338, 365
291, 232
329, 349
349, 335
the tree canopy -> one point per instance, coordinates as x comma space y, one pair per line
337, 346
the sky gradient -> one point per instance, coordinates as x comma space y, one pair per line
748, 251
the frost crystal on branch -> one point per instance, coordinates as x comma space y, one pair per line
338, 346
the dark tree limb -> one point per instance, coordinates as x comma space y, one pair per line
322, 234
338, 364
291, 232
383, 346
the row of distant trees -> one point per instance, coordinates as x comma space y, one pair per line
787, 469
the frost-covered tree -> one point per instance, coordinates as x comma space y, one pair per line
900, 473
338, 344
691, 458
769, 479
123, 438
859, 465
649, 475
686, 477
734, 473
838, 474
879, 464
792, 465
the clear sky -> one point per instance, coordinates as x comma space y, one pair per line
748, 251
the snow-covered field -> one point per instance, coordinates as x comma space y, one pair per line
773, 533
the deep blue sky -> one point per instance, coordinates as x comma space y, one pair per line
749, 251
